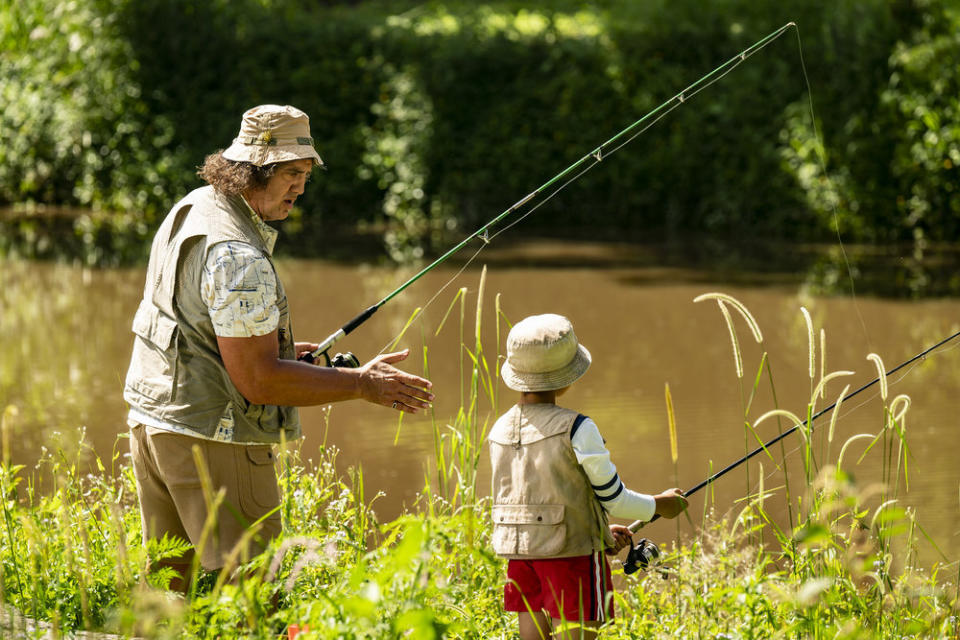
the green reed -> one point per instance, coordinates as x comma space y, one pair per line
458, 446
887, 523
724, 302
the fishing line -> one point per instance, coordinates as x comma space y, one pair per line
821, 156
591, 159
668, 107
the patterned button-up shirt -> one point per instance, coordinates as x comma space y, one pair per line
240, 288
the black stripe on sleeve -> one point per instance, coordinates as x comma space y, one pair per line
576, 424
611, 496
604, 487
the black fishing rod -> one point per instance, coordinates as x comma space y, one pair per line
586, 163
639, 523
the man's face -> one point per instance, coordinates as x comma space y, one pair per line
275, 200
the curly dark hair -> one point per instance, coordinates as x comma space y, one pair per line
231, 177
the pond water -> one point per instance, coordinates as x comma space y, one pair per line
65, 342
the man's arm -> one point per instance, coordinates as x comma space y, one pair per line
258, 372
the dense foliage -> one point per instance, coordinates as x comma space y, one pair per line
435, 117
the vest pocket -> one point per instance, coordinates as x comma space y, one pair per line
154, 364
534, 530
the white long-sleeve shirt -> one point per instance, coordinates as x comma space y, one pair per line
614, 496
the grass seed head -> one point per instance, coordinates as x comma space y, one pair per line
881, 374
739, 306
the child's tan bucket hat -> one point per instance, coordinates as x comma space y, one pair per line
271, 133
543, 354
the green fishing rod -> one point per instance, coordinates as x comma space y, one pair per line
584, 164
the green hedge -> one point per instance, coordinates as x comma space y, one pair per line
435, 117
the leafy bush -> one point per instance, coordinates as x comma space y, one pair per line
435, 117
75, 130
926, 101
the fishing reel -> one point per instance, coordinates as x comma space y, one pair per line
642, 555
346, 360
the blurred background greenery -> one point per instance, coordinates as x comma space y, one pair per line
435, 116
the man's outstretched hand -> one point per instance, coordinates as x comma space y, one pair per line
382, 383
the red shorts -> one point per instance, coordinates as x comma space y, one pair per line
577, 588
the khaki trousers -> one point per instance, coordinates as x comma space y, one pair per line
172, 500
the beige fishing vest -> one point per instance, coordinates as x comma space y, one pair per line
176, 374
543, 504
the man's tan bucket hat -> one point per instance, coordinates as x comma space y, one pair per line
271, 133
543, 354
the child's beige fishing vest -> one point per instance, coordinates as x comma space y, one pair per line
543, 504
173, 328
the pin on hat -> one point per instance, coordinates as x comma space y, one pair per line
543, 354
271, 133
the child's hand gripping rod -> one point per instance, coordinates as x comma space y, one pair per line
634, 527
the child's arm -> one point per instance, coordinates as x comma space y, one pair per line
593, 456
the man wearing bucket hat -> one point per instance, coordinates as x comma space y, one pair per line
214, 379
554, 487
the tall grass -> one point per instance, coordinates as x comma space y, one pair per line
458, 447
70, 550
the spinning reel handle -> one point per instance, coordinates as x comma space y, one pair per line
346, 360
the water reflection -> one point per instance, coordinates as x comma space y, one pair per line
65, 343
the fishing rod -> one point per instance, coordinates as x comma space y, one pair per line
587, 162
640, 523
646, 554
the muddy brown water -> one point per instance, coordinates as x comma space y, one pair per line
65, 343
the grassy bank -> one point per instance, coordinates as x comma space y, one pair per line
73, 558
843, 566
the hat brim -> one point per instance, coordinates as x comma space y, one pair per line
260, 155
547, 380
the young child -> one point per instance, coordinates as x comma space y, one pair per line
554, 486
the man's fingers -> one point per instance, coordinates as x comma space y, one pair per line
396, 356
417, 402
409, 405
404, 408
418, 386
400, 375
384, 384
408, 398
